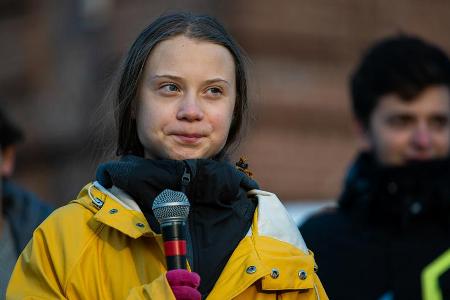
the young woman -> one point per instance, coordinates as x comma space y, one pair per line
181, 99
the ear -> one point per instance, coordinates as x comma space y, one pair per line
363, 135
8, 160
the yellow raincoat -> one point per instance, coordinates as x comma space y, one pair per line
101, 247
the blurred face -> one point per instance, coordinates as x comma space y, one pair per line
400, 131
7, 159
186, 99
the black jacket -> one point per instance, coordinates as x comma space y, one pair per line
389, 226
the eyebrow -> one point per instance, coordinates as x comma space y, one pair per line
214, 80
173, 77
167, 76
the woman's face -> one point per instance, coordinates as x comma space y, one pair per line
186, 99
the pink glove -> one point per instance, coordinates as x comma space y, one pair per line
184, 284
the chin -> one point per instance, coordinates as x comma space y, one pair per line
181, 153
183, 156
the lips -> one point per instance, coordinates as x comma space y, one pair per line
188, 138
418, 156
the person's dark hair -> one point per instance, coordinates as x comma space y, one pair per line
10, 134
403, 65
125, 88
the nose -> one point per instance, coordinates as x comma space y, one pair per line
422, 138
190, 108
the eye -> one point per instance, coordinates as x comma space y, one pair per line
169, 88
400, 121
214, 91
439, 122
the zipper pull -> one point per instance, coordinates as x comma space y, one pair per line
185, 180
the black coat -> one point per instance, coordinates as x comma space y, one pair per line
390, 224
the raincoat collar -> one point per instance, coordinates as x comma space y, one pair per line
114, 212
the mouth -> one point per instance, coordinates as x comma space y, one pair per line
187, 138
419, 157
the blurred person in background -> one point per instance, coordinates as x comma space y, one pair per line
181, 99
20, 211
389, 236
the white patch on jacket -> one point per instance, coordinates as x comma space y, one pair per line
274, 221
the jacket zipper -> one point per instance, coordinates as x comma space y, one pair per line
185, 181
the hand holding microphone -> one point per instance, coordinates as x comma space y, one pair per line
184, 284
171, 209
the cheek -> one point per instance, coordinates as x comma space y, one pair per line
442, 142
396, 143
386, 140
222, 122
146, 121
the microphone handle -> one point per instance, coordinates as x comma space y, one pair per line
174, 237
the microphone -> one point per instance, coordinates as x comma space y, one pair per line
171, 209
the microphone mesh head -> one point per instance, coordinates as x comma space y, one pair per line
171, 206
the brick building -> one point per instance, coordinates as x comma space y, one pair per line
57, 58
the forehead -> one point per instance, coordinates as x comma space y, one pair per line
183, 56
433, 100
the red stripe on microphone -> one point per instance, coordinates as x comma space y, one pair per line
173, 248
